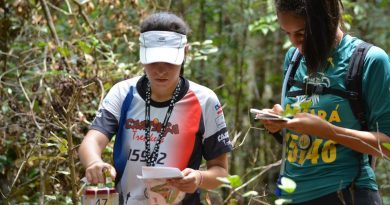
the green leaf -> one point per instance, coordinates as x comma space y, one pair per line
52, 73
48, 144
223, 180
282, 201
108, 150
250, 194
207, 42
209, 50
63, 148
41, 44
5, 108
50, 197
63, 51
287, 185
81, 2
85, 47
386, 145
233, 202
64, 172
235, 181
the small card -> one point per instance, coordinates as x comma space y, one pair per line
262, 115
160, 173
159, 191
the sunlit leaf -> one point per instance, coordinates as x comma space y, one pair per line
195, 43
83, 1
235, 180
63, 149
50, 197
250, 194
223, 180
282, 201
85, 47
200, 58
63, 172
108, 150
207, 42
88, 58
287, 185
387, 145
227, 186
5, 108
209, 51
48, 144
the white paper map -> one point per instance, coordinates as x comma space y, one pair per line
159, 192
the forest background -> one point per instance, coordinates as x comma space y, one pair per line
59, 58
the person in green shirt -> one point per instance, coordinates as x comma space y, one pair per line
326, 153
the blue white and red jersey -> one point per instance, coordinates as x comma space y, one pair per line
196, 130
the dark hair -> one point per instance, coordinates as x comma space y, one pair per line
322, 18
164, 21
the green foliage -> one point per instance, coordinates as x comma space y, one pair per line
265, 24
234, 180
50, 90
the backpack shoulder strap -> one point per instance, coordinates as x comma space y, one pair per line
291, 70
353, 82
294, 62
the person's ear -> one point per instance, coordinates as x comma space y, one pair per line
186, 49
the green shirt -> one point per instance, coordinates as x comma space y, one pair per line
327, 166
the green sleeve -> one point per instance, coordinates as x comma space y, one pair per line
376, 90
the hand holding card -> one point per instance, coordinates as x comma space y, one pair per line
264, 115
159, 191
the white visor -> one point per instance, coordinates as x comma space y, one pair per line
162, 46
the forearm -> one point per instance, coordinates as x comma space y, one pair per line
92, 147
209, 177
361, 141
217, 167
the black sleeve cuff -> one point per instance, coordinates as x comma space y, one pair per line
106, 123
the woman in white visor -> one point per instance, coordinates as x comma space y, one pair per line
160, 119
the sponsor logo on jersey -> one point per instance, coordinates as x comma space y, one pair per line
155, 126
224, 137
220, 122
106, 101
218, 108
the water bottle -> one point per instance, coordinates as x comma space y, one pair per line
102, 194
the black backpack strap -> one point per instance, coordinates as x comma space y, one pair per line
353, 82
310, 89
295, 64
